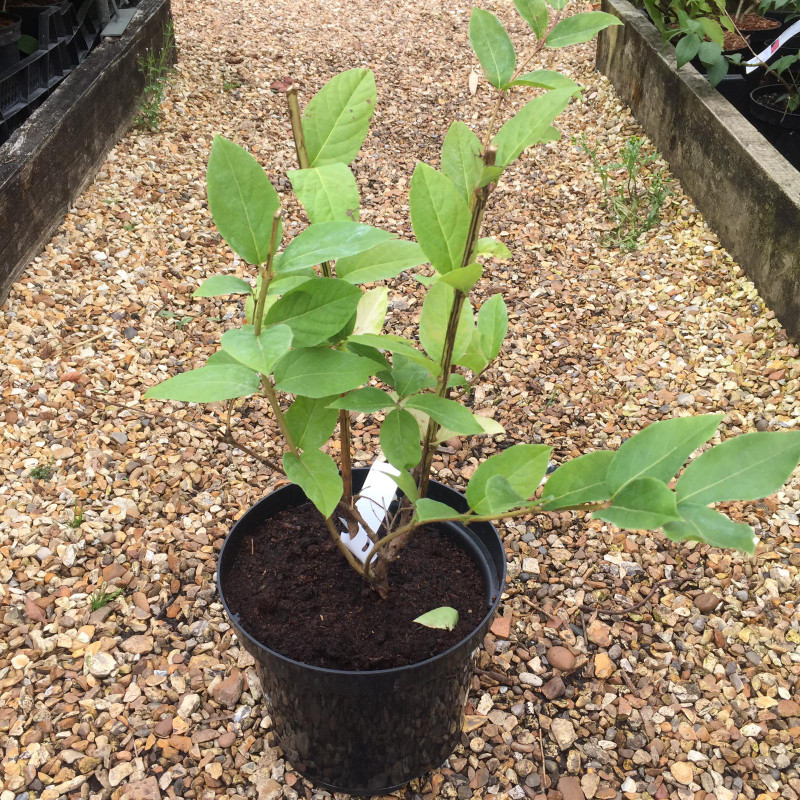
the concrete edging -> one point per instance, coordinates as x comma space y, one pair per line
747, 191
55, 154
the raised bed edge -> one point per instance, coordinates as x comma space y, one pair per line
50, 159
747, 191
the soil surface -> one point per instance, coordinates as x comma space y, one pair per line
733, 42
754, 22
297, 594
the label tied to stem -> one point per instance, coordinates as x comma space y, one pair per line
373, 503
772, 48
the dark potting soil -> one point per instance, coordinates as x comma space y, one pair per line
292, 589
732, 42
754, 22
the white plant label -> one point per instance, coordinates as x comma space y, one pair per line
771, 49
373, 503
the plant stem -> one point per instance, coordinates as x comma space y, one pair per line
467, 519
480, 198
344, 417
297, 127
266, 274
269, 393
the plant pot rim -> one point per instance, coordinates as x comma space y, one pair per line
373, 673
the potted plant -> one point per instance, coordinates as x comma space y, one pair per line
10, 33
363, 607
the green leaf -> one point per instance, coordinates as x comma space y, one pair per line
491, 44
366, 401
27, 44
445, 618
219, 358
320, 371
642, 504
278, 286
709, 52
446, 412
433, 322
530, 125
311, 421
440, 217
395, 344
487, 337
580, 28
315, 310
746, 467
463, 278
387, 260
534, 12
336, 121
490, 428
703, 524
661, 449
547, 79
490, 175
405, 482
687, 48
558, 5
221, 285
318, 476
488, 246
522, 465
408, 376
326, 241
242, 200
260, 353
500, 497
461, 159
399, 439
582, 480
427, 510
207, 384
717, 71
371, 311
327, 193
713, 30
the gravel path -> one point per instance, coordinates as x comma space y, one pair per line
692, 694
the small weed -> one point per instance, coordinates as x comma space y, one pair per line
43, 472
77, 516
102, 597
157, 70
633, 198
165, 313
228, 85
130, 226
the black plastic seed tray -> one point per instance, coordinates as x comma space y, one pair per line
65, 32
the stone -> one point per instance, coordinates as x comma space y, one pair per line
563, 732
599, 633
20, 661
554, 688
101, 665
270, 789
604, 667
560, 658
590, 783
682, 772
142, 790
163, 728
501, 626
226, 740
118, 773
705, 603
228, 691
628, 785
138, 644
788, 708
570, 788
187, 706
529, 679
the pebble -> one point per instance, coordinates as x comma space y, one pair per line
102, 665
138, 644
554, 688
570, 788
599, 633
682, 772
188, 705
560, 658
604, 667
563, 732
228, 692
706, 602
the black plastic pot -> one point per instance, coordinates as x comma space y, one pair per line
9, 39
772, 116
369, 732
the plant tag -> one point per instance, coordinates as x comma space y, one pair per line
771, 49
373, 503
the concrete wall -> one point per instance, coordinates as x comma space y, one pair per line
49, 160
747, 191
